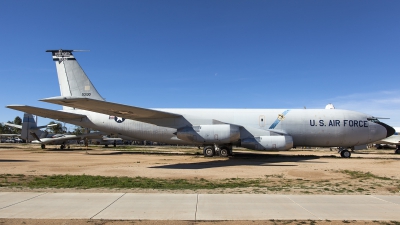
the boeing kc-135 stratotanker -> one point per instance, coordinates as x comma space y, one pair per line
217, 130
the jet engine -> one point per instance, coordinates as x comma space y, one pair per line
281, 142
210, 134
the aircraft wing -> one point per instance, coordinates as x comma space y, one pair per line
70, 137
109, 108
13, 125
111, 139
57, 139
48, 113
10, 135
391, 140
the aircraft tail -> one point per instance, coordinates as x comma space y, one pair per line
28, 124
72, 79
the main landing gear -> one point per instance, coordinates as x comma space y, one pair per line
222, 151
344, 153
62, 146
397, 151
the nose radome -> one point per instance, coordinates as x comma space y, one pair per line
389, 130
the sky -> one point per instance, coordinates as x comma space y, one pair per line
208, 54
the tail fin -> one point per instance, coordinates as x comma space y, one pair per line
28, 124
72, 79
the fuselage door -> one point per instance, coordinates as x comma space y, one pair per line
261, 121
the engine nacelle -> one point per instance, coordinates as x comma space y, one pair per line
210, 134
281, 142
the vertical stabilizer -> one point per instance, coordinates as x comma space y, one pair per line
71, 77
28, 124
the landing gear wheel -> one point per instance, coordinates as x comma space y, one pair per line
43, 146
208, 151
224, 152
397, 151
62, 147
345, 154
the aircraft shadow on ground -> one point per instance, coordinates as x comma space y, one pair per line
244, 159
16, 160
8, 147
65, 150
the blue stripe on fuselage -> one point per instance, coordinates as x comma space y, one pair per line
277, 120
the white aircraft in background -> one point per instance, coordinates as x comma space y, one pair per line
391, 140
32, 133
217, 130
63, 139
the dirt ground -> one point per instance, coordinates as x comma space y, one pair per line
319, 167
299, 171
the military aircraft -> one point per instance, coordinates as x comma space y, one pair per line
391, 140
29, 128
63, 139
32, 133
217, 130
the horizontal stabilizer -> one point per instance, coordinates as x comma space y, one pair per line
47, 113
35, 136
109, 108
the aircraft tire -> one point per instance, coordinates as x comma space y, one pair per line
224, 152
208, 151
345, 154
43, 146
62, 147
397, 151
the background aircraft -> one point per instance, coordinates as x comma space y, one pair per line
32, 133
215, 129
391, 140
29, 129
63, 139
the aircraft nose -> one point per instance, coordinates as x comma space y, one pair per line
389, 130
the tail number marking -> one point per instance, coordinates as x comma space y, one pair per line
86, 94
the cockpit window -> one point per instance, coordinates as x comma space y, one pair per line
374, 120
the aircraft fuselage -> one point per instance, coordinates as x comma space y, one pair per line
307, 127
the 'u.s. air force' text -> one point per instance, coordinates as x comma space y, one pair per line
338, 123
